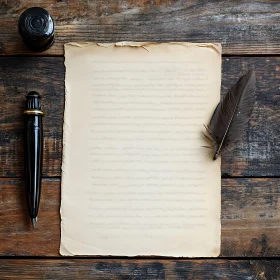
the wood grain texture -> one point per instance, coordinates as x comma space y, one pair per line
250, 219
18, 76
131, 269
250, 207
257, 156
243, 27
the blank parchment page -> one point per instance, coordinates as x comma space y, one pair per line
135, 177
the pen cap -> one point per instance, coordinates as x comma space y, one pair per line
36, 27
33, 101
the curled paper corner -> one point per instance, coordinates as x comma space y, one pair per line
64, 252
64, 249
217, 47
78, 44
217, 250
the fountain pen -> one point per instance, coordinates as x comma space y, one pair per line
33, 150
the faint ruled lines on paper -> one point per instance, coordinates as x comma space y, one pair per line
142, 116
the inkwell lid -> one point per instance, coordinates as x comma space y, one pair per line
36, 27
33, 101
33, 105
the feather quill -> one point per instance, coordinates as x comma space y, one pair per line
229, 120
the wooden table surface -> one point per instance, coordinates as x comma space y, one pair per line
250, 35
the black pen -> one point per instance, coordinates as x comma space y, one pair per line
33, 149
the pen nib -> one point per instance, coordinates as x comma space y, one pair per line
34, 221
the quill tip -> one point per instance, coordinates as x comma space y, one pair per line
216, 155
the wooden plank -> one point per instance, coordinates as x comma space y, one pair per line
250, 219
128, 269
243, 27
256, 156
18, 76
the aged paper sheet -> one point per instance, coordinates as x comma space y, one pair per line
135, 177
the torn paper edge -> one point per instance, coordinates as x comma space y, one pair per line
217, 47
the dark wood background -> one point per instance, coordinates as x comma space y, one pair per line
250, 35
